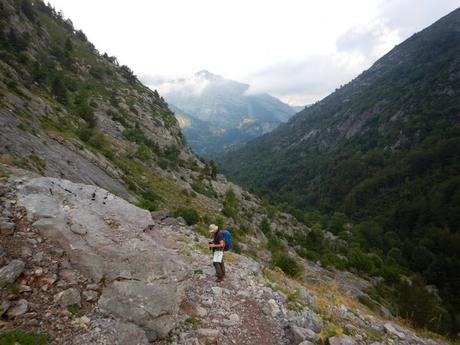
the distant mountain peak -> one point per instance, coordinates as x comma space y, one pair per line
205, 74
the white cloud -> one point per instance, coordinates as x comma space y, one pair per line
240, 39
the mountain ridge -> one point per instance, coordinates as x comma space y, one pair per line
232, 115
382, 151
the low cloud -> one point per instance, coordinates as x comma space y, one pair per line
170, 85
408, 17
304, 81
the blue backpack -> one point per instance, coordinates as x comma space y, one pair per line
228, 240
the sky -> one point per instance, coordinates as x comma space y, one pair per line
296, 50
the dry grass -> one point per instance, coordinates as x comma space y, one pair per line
6, 159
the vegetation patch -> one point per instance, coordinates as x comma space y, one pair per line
19, 337
190, 215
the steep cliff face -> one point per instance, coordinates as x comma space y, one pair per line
68, 111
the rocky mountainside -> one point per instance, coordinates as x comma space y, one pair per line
83, 266
384, 148
104, 213
218, 114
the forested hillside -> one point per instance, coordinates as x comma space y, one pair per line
383, 154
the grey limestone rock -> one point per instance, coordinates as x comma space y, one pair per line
4, 307
7, 228
115, 242
21, 307
391, 329
154, 307
299, 334
342, 340
208, 333
68, 297
160, 215
108, 331
10, 272
90, 295
305, 319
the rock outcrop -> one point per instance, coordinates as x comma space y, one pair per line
108, 239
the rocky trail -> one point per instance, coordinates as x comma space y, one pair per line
86, 267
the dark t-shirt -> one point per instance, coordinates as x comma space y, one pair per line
218, 236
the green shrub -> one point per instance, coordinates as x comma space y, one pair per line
190, 215
202, 229
199, 187
75, 310
135, 135
230, 204
273, 244
22, 338
96, 141
287, 263
264, 226
360, 260
329, 259
422, 307
149, 200
143, 152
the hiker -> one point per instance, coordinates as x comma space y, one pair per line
217, 245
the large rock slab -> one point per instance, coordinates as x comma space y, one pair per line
153, 307
108, 239
10, 272
114, 333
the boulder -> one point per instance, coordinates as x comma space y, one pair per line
208, 333
152, 307
10, 272
233, 320
299, 334
274, 308
4, 307
391, 329
305, 319
90, 295
160, 215
112, 332
21, 307
7, 228
217, 291
342, 340
68, 297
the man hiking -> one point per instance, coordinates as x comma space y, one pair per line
217, 245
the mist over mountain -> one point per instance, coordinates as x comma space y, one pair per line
220, 114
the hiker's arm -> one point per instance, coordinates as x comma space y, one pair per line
220, 245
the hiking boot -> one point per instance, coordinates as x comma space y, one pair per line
218, 280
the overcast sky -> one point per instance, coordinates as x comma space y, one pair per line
297, 50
